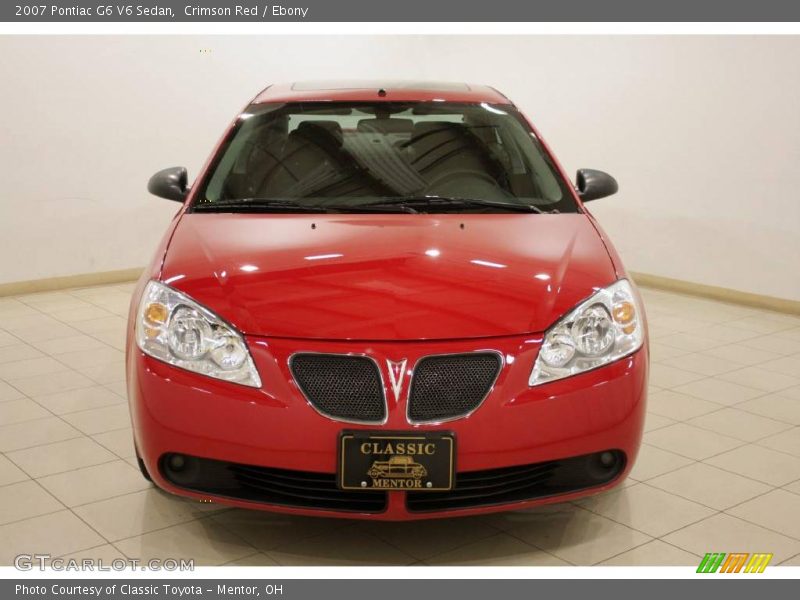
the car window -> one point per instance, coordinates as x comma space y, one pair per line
351, 154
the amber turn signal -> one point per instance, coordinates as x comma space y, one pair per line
155, 315
625, 314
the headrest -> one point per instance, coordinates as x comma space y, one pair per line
386, 125
422, 128
314, 129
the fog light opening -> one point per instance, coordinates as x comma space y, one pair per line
607, 459
604, 466
180, 469
176, 463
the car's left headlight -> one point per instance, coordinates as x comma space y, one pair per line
604, 328
173, 328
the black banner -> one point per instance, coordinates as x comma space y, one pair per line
405, 11
733, 588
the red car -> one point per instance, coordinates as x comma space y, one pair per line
385, 301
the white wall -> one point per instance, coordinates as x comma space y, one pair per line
703, 134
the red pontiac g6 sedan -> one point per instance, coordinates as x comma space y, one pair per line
385, 301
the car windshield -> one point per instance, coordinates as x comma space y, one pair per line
383, 157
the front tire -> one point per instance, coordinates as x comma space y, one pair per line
143, 468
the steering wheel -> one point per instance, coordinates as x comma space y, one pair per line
469, 180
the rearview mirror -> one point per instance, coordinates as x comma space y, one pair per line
593, 184
172, 184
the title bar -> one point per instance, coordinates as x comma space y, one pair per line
531, 11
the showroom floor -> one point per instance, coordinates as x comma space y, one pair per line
719, 469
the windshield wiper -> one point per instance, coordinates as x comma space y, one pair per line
255, 205
420, 202
287, 205
407, 204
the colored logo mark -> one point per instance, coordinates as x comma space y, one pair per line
735, 562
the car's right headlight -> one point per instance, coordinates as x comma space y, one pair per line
173, 328
603, 328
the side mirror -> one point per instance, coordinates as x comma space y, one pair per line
594, 184
172, 184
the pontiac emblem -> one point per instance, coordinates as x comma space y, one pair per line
396, 372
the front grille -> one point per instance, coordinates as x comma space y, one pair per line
343, 387
283, 487
450, 386
517, 484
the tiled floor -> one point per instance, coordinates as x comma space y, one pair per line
719, 469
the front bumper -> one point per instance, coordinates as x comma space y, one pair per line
175, 411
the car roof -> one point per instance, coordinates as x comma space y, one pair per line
388, 91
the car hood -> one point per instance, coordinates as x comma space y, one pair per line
387, 277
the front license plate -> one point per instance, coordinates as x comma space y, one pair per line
396, 461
